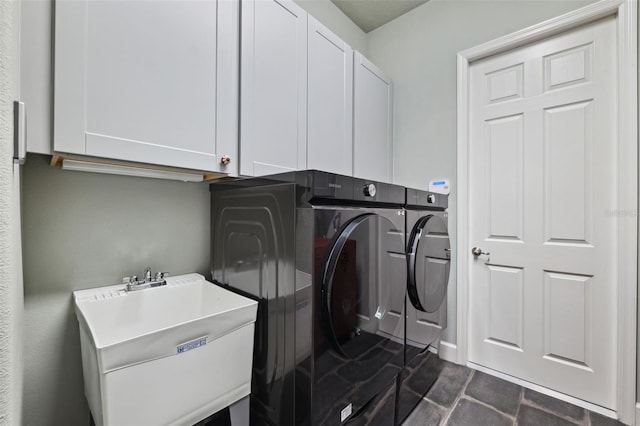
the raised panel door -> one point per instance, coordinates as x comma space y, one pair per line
543, 165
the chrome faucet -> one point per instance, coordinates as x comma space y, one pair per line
147, 274
147, 282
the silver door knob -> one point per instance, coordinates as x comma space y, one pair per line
477, 251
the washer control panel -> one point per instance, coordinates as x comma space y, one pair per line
370, 190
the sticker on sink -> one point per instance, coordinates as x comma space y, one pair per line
192, 344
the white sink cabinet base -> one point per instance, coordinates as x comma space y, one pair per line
141, 378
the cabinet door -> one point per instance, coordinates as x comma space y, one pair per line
330, 102
36, 72
274, 87
372, 122
137, 80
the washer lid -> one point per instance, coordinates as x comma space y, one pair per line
429, 263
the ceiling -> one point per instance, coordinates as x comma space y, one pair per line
371, 14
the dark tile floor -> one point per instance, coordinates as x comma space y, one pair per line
464, 397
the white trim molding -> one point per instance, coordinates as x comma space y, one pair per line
626, 13
448, 351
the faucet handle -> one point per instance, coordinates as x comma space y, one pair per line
161, 275
147, 274
130, 282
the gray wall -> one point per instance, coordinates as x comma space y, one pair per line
83, 230
418, 51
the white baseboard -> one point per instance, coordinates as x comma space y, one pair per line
448, 351
561, 396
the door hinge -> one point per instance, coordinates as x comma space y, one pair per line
19, 132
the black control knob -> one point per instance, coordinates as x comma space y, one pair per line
369, 190
431, 199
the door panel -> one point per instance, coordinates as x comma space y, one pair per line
567, 152
505, 84
372, 122
505, 136
273, 105
506, 306
151, 95
330, 102
566, 318
543, 167
572, 66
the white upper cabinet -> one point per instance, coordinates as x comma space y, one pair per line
372, 122
273, 106
330, 102
36, 72
148, 81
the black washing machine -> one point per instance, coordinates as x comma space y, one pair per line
324, 256
428, 266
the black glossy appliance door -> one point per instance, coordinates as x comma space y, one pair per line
428, 259
429, 263
359, 347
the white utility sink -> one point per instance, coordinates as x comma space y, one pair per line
173, 354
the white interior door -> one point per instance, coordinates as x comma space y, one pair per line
543, 191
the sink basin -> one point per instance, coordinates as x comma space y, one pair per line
166, 355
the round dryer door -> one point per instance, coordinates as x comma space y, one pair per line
429, 262
363, 279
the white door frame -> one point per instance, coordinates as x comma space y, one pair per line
627, 209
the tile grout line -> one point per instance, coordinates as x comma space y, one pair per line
455, 403
491, 407
486, 405
515, 417
426, 398
540, 407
